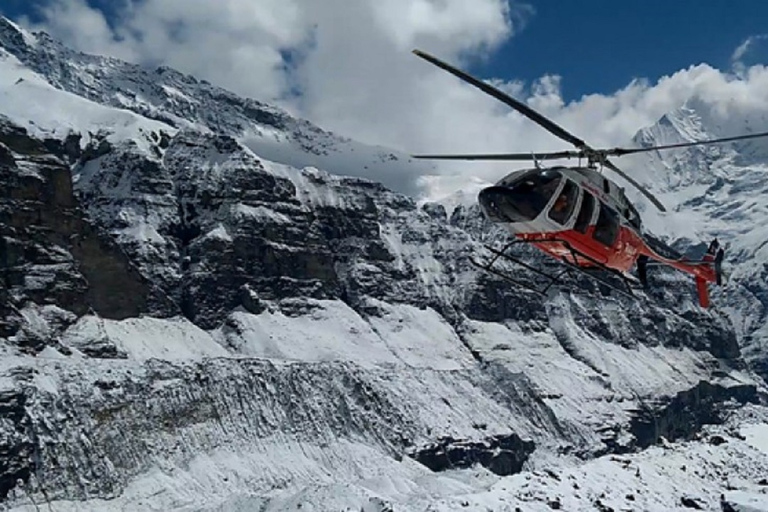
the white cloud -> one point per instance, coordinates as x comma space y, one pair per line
234, 43
84, 28
745, 48
357, 76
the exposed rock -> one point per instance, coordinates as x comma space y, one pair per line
555, 504
689, 502
16, 448
51, 256
683, 415
503, 455
717, 440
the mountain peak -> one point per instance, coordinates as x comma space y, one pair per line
14, 38
683, 124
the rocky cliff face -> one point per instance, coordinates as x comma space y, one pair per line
55, 264
186, 323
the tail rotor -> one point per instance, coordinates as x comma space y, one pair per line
713, 256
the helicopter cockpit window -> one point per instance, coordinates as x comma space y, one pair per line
585, 213
607, 226
565, 203
522, 199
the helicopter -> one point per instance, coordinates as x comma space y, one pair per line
577, 215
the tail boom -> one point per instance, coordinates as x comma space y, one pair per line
707, 270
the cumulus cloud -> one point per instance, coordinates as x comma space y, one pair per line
234, 43
347, 66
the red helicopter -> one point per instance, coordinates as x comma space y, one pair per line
576, 214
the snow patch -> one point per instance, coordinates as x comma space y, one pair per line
331, 331
757, 436
146, 338
743, 501
328, 331
46, 112
174, 92
420, 337
328, 152
260, 213
219, 232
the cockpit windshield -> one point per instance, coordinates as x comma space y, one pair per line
535, 190
521, 198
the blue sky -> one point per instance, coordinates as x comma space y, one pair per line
599, 46
15, 8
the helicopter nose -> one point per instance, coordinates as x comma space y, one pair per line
500, 204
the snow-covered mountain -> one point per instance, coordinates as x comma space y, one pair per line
717, 191
201, 310
163, 98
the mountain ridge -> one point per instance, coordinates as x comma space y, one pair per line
181, 101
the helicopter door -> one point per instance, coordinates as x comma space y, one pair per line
607, 226
563, 207
585, 212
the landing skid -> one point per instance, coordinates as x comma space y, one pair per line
555, 279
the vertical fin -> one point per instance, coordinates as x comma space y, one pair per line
719, 266
703, 291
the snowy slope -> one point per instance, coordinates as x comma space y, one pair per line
46, 112
276, 454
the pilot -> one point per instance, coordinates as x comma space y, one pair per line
561, 203
559, 210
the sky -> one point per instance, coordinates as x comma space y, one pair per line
600, 68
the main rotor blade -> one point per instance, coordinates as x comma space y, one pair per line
639, 187
629, 151
505, 98
506, 156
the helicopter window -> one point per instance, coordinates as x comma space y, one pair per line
585, 213
607, 226
606, 186
522, 199
565, 203
633, 216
